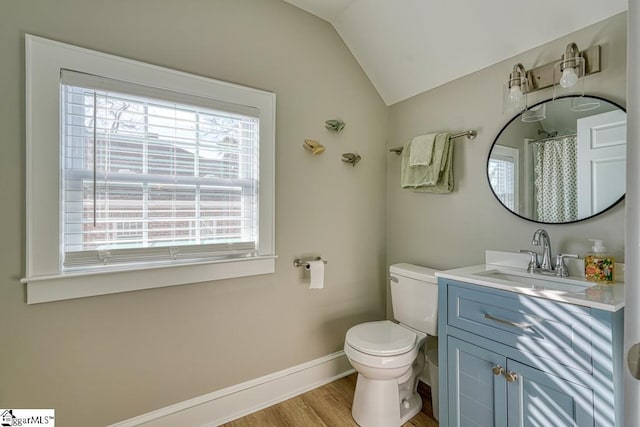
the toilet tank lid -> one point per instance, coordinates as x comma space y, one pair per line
418, 272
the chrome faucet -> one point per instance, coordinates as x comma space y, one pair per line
545, 265
533, 261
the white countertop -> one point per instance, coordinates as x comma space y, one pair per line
609, 297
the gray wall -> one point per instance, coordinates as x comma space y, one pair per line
112, 357
453, 230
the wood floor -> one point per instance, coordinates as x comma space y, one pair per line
328, 406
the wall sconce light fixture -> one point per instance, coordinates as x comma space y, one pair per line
569, 73
571, 68
515, 99
566, 76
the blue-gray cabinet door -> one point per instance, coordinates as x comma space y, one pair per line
539, 399
477, 386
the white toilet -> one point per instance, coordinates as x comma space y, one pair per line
389, 356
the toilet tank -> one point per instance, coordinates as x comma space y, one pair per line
414, 297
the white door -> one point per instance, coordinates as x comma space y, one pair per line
632, 206
601, 160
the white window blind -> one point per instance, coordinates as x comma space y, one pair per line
503, 175
151, 175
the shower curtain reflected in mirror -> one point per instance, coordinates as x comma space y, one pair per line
556, 183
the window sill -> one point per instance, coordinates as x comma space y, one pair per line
79, 285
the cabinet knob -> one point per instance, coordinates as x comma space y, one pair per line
498, 370
511, 376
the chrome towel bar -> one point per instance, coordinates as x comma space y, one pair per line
471, 134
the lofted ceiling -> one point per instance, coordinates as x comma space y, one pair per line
409, 46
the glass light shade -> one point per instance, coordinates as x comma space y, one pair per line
583, 103
514, 100
535, 114
516, 96
569, 77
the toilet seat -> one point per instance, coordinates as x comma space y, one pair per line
383, 338
396, 345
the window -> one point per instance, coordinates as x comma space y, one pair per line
156, 171
503, 175
149, 179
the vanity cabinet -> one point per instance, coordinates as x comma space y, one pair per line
488, 389
508, 359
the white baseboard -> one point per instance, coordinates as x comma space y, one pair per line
233, 402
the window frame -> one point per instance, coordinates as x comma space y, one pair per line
45, 278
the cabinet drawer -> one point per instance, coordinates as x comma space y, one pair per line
553, 330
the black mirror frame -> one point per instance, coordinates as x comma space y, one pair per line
517, 116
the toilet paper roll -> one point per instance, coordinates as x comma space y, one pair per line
316, 268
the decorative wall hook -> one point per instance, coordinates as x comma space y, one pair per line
334, 125
351, 158
314, 146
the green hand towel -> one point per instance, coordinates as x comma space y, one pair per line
434, 178
421, 150
445, 183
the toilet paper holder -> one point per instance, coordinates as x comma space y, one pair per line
304, 262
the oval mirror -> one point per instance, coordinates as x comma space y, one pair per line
561, 161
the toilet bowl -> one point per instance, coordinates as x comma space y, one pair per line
388, 359
389, 356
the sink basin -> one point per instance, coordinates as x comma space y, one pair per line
553, 284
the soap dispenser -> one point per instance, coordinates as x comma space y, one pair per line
598, 265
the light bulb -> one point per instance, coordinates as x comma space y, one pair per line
516, 96
569, 77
